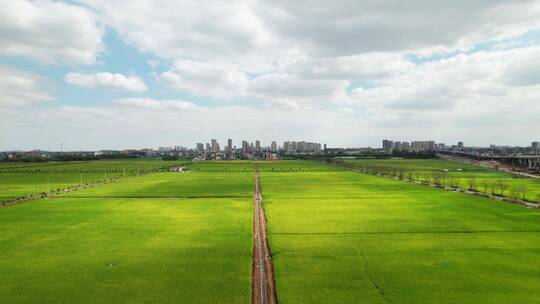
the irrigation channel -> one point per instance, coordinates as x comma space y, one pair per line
263, 284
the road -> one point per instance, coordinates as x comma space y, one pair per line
263, 285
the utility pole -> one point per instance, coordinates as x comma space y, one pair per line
81, 180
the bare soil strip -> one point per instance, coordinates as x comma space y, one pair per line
263, 284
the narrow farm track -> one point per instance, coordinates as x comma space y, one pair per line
263, 284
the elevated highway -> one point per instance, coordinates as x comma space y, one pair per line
530, 162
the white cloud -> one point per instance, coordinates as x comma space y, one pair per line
215, 80
348, 27
107, 80
154, 63
367, 67
18, 88
185, 29
292, 91
220, 48
263, 32
49, 32
169, 104
466, 90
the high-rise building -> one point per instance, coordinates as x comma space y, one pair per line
273, 146
460, 145
200, 147
208, 149
258, 145
245, 146
535, 145
215, 147
387, 145
423, 145
287, 147
229, 144
301, 147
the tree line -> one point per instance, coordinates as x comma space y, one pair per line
442, 179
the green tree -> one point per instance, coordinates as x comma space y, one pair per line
472, 183
501, 186
485, 185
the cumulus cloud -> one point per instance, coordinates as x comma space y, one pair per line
237, 29
292, 91
275, 50
19, 88
473, 90
361, 67
347, 27
107, 80
222, 81
50, 32
156, 104
192, 28
154, 63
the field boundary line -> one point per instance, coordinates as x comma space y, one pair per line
406, 232
378, 289
151, 197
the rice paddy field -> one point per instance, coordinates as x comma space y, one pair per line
249, 166
139, 240
485, 177
23, 179
346, 237
336, 236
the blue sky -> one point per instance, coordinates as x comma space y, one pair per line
147, 74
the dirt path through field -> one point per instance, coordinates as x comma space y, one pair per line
263, 285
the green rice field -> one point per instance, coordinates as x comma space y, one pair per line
485, 178
140, 240
23, 179
348, 237
336, 236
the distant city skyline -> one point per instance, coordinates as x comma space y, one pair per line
214, 145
